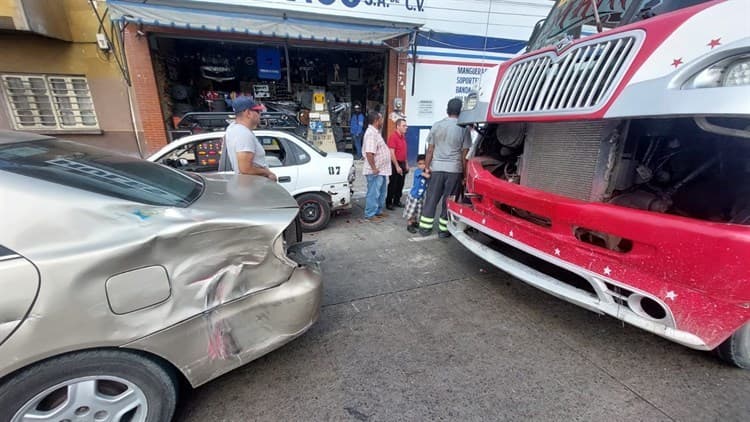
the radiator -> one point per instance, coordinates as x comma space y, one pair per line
566, 158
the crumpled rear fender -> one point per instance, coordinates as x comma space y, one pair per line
211, 257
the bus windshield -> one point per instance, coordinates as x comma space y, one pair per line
572, 19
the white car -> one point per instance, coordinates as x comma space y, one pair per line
321, 182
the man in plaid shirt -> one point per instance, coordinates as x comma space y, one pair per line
377, 167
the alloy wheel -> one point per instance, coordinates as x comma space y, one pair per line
98, 398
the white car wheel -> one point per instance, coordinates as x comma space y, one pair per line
314, 212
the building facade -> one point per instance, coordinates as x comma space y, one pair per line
458, 42
401, 57
56, 79
164, 58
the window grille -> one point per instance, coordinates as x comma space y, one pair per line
49, 102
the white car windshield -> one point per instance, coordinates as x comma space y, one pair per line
308, 143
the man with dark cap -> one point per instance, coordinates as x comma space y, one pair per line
447, 146
356, 127
241, 151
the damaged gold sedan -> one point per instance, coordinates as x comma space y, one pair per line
121, 278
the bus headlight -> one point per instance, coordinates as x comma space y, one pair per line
738, 73
732, 71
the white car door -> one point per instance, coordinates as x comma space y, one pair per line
315, 170
281, 160
200, 156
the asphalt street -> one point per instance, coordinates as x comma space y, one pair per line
420, 329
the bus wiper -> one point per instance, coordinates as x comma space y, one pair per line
646, 13
598, 19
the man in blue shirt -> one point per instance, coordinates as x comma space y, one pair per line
357, 124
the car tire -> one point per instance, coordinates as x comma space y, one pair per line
736, 349
314, 212
91, 385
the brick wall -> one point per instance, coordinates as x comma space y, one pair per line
396, 79
146, 95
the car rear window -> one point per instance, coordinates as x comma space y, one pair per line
310, 144
100, 171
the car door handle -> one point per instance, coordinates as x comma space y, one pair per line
285, 179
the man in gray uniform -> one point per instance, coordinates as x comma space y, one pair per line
447, 146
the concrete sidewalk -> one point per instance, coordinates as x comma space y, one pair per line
360, 183
415, 329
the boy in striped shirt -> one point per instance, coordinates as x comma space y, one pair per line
415, 199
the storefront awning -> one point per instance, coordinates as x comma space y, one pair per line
254, 22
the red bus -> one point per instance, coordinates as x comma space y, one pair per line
612, 168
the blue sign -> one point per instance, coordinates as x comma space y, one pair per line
269, 63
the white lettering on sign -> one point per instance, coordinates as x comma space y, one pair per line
410, 5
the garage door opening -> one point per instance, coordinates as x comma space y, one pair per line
310, 90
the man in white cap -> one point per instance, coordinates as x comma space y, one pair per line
242, 152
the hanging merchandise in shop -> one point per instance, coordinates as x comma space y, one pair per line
307, 91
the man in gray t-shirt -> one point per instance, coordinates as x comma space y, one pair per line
447, 146
241, 150
239, 138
